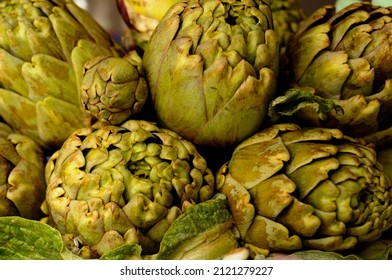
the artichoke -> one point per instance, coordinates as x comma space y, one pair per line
345, 58
114, 88
113, 185
212, 68
291, 188
43, 47
22, 180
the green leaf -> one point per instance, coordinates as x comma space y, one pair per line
297, 99
204, 223
125, 252
24, 239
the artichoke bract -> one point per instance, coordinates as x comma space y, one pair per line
22, 180
43, 47
292, 188
212, 68
345, 57
114, 88
115, 185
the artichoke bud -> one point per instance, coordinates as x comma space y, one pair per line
277, 206
215, 64
116, 185
114, 88
345, 57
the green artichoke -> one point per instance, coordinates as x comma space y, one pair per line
22, 180
43, 47
114, 88
345, 58
292, 188
212, 68
115, 185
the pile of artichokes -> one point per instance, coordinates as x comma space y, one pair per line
225, 129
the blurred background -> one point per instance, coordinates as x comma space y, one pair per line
106, 13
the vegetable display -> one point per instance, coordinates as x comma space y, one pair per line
211, 130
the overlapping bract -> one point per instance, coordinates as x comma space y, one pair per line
114, 88
43, 46
212, 68
22, 180
115, 185
292, 188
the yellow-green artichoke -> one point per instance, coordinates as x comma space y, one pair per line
22, 180
292, 189
114, 88
114, 185
212, 67
43, 47
343, 58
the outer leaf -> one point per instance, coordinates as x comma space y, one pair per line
24, 239
196, 223
297, 100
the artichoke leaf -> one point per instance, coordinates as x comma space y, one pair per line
207, 221
124, 252
17, 109
10, 78
297, 101
332, 243
45, 76
57, 120
273, 195
238, 199
25, 239
268, 158
334, 68
268, 234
